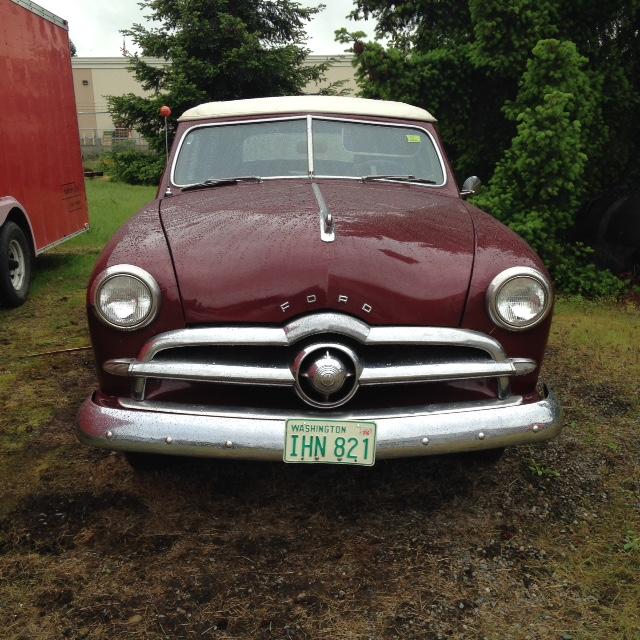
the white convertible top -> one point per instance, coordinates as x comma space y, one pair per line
307, 104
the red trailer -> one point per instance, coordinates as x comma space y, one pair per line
42, 196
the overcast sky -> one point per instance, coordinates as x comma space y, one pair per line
95, 27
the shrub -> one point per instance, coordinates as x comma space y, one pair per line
133, 167
574, 274
538, 185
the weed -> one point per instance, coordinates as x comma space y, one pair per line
542, 471
631, 543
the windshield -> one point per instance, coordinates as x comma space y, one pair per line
280, 148
277, 148
355, 149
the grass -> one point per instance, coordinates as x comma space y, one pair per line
596, 362
53, 317
543, 546
67, 268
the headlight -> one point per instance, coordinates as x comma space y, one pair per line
125, 297
519, 298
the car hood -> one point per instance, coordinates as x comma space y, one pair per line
403, 254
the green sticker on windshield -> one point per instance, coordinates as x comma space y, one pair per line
413, 138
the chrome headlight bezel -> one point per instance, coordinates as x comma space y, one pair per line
509, 275
136, 273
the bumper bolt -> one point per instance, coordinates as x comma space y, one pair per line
425, 441
109, 435
481, 435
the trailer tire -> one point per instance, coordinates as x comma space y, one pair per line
15, 265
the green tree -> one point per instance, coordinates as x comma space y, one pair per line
537, 187
464, 59
542, 169
215, 50
540, 96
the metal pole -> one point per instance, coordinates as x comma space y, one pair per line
166, 138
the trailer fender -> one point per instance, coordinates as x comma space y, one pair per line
10, 207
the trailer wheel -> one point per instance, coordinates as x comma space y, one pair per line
15, 265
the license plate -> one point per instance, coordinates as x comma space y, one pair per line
330, 441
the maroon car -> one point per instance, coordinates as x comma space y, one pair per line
310, 285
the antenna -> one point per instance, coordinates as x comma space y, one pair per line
165, 112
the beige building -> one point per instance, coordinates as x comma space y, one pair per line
341, 70
96, 78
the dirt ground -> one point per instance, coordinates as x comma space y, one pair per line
545, 544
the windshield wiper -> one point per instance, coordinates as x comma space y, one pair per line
399, 178
221, 182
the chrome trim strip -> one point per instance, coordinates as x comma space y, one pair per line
220, 373
437, 336
118, 366
310, 146
327, 228
444, 336
506, 276
442, 372
257, 438
282, 376
199, 336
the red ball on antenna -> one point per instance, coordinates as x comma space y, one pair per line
165, 111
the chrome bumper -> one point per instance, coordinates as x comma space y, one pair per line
196, 431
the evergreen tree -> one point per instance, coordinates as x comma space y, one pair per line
215, 50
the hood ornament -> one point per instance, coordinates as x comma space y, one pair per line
327, 228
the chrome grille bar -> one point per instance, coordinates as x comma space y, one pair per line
444, 371
145, 366
202, 372
282, 376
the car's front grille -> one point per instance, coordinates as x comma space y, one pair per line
257, 366
230, 398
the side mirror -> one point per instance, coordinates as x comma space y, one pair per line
470, 187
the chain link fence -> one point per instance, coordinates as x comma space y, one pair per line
96, 142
